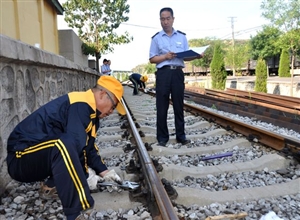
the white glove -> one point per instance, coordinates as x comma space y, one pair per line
93, 180
112, 176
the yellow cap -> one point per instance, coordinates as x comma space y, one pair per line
115, 87
144, 78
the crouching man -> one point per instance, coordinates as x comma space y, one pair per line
57, 143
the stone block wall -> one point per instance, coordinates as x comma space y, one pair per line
29, 78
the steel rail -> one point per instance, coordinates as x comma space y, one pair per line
258, 112
294, 102
155, 185
288, 104
278, 105
271, 139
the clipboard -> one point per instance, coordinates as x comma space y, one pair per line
196, 51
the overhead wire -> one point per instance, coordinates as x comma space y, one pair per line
237, 33
241, 32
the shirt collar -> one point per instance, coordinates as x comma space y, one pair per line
164, 33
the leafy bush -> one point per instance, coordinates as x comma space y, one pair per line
217, 69
261, 76
284, 64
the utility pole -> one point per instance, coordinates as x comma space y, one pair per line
233, 50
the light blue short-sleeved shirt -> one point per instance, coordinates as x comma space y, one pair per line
105, 67
162, 43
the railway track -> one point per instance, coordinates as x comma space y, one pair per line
222, 174
185, 169
282, 111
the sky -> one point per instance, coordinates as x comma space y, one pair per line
197, 18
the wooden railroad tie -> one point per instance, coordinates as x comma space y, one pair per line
228, 216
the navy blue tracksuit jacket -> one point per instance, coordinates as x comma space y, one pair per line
135, 78
57, 140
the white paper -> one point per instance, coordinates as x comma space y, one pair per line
199, 50
193, 52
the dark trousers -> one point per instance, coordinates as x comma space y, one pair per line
59, 159
136, 86
169, 82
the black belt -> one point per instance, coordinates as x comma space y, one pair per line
171, 67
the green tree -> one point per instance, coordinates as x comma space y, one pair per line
205, 61
284, 64
264, 43
217, 68
96, 22
144, 68
126, 77
150, 68
238, 56
285, 15
291, 40
139, 69
261, 76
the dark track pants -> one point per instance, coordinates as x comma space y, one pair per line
169, 82
136, 86
59, 159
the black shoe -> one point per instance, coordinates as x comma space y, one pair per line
163, 144
184, 142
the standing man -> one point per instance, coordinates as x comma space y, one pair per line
108, 65
58, 141
138, 81
105, 68
169, 76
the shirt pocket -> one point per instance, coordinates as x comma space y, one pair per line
179, 46
162, 48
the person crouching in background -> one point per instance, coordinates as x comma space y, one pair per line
138, 81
